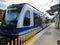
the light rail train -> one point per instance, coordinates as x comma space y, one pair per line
23, 20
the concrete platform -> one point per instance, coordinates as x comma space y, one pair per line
50, 37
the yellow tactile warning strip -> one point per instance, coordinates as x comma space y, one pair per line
27, 38
29, 41
28, 35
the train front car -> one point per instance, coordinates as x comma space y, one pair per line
22, 22
10, 19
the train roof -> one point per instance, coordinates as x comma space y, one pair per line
22, 4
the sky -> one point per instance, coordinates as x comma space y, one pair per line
42, 5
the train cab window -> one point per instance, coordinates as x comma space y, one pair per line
27, 18
37, 20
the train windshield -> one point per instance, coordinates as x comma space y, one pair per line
11, 15
11, 18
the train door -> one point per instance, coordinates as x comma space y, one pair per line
37, 21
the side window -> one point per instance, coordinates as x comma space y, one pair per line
27, 18
40, 22
37, 20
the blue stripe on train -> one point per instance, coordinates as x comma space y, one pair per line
18, 29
